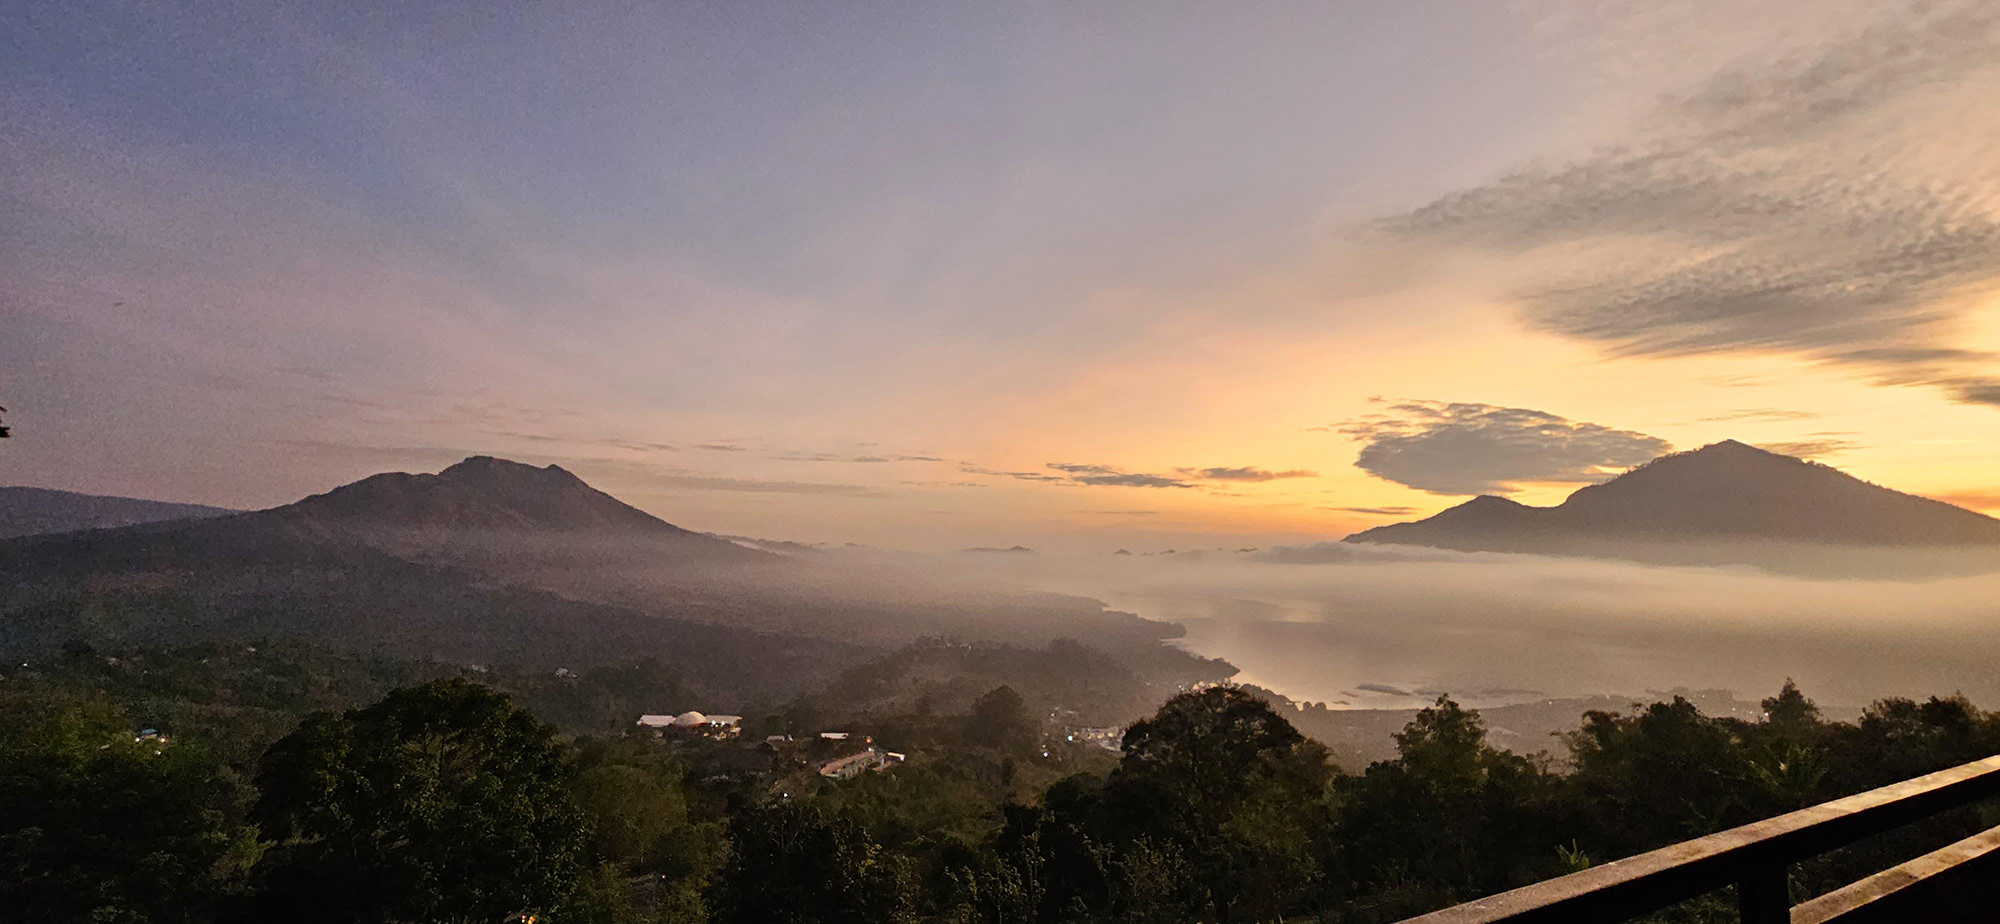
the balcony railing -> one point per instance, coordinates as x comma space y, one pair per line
1956, 883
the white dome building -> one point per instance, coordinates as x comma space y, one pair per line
690, 719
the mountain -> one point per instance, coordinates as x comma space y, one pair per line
485, 493
34, 511
495, 562
429, 566
1724, 498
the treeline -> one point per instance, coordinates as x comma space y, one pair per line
446, 801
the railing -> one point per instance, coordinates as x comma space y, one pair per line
1956, 883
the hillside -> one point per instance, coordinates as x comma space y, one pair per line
36, 511
483, 492
1722, 501
495, 562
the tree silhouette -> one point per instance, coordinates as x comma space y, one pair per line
442, 802
96, 825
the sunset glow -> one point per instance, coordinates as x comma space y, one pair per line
874, 297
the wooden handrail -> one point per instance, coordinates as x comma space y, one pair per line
1930, 888
1753, 857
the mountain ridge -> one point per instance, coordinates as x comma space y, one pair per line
1725, 492
492, 561
481, 492
30, 511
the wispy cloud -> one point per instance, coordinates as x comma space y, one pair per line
1132, 480
1800, 205
1810, 449
1105, 475
1457, 448
971, 469
760, 486
1244, 473
1759, 413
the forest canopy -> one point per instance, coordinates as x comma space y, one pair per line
444, 799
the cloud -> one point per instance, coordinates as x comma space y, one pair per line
1460, 449
797, 455
1810, 449
1105, 475
1245, 473
971, 469
720, 447
1760, 413
1377, 511
759, 486
1808, 204
1132, 480
1084, 473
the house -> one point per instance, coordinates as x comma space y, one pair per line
1108, 737
693, 723
853, 765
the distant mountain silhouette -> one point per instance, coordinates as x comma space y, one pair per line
435, 566
1723, 496
485, 493
35, 511
491, 561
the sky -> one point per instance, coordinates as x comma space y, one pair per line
1071, 276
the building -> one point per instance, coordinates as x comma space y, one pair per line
1108, 737
853, 765
693, 723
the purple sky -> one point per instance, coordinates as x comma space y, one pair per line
931, 274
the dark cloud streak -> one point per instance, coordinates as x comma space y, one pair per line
1244, 473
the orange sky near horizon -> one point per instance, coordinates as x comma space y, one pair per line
1076, 279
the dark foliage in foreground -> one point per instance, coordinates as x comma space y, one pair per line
445, 801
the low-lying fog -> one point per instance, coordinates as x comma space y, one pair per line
1383, 626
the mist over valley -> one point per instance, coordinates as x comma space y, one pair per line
1431, 462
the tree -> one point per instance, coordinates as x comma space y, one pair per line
100, 826
798, 864
1000, 720
651, 860
1790, 713
1451, 817
442, 802
1220, 785
1662, 774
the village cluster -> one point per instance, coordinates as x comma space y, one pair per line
836, 755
